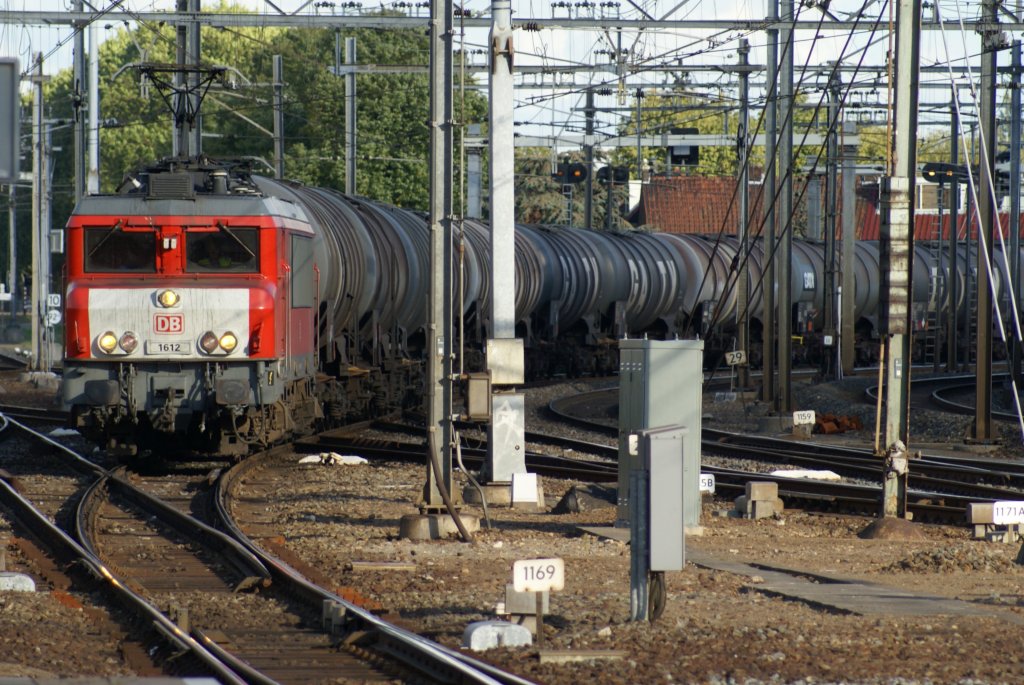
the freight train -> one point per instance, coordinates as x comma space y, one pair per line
211, 309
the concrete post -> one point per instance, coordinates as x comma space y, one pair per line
439, 322
785, 251
78, 88
92, 178
898, 241
768, 196
506, 446
278, 77
983, 427
350, 117
743, 225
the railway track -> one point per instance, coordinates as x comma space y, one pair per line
39, 502
237, 611
941, 487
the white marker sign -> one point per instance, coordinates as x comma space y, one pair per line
802, 417
538, 575
707, 482
1005, 513
736, 357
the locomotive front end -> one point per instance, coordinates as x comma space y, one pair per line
186, 324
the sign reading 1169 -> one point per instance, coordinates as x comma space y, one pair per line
538, 575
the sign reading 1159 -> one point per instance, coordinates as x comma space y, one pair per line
538, 575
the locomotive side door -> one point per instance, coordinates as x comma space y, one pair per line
302, 301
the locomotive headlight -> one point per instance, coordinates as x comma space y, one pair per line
208, 343
228, 341
168, 298
107, 342
128, 342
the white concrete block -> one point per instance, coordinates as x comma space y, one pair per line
16, 582
525, 488
334, 459
762, 490
483, 635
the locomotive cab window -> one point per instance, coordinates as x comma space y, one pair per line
115, 249
228, 250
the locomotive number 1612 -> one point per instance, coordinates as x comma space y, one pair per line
167, 347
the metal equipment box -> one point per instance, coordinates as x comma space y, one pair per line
660, 384
662, 454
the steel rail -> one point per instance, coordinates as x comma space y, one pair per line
817, 494
252, 571
71, 553
938, 466
547, 465
40, 414
414, 650
222, 546
929, 487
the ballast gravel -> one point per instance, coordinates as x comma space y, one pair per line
717, 628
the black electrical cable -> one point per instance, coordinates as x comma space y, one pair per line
441, 487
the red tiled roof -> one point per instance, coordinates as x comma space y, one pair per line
695, 204
709, 204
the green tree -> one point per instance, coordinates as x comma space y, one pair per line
237, 121
392, 112
237, 118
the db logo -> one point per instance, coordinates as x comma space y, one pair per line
169, 323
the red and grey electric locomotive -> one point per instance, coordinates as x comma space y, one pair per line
194, 311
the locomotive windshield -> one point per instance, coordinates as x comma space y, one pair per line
233, 250
114, 249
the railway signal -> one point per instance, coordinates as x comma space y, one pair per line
684, 155
575, 172
618, 175
943, 172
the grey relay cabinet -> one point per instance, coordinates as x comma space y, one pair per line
660, 384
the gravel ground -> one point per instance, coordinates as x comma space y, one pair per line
717, 627
49, 633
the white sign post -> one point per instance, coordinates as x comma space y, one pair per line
804, 417
538, 576
736, 357
1005, 513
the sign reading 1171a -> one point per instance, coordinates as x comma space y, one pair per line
1007, 512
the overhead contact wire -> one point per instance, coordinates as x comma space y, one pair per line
733, 274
